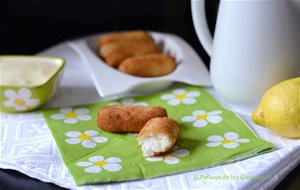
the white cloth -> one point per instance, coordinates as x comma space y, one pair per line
27, 145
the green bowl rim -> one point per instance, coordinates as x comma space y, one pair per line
36, 56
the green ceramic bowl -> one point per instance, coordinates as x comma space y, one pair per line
19, 95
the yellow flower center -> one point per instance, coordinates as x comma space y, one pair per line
20, 102
84, 137
70, 115
226, 141
202, 116
100, 163
181, 96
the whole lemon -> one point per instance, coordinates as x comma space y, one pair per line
279, 109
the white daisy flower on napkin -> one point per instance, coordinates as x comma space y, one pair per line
71, 116
87, 140
129, 101
97, 163
171, 158
19, 100
180, 96
230, 140
201, 118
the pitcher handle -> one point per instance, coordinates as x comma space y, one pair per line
201, 26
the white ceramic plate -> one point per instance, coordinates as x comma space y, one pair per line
109, 81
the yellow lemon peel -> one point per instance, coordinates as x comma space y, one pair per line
279, 109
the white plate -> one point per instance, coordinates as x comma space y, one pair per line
109, 81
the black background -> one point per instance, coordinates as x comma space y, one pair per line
30, 26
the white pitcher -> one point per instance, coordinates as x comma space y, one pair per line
256, 45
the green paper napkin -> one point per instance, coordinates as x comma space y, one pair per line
210, 135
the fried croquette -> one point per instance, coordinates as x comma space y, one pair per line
158, 136
148, 65
115, 53
127, 118
124, 36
